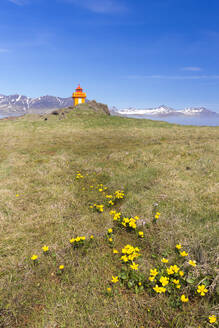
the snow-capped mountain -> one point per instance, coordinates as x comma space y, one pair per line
23, 104
165, 111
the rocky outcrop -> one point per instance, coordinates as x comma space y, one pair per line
97, 107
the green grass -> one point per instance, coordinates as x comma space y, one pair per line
153, 162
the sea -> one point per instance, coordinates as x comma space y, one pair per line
9, 115
182, 120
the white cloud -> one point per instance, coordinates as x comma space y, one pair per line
174, 77
191, 69
100, 6
18, 2
4, 50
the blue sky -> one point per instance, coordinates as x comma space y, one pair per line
140, 53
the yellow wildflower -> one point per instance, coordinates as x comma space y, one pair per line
183, 253
202, 290
170, 270
124, 258
178, 246
132, 224
151, 278
115, 279
112, 212
45, 248
181, 273
212, 319
109, 289
134, 266
178, 286
61, 267
139, 284
110, 202
164, 260
115, 251
184, 299
175, 281
159, 289
110, 230
110, 240
192, 263
91, 237
164, 281
34, 257
109, 196
72, 240
117, 216
175, 268
141, 234
153, 272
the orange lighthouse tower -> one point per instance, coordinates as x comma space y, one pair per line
79, 96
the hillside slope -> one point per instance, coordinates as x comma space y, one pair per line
54, 171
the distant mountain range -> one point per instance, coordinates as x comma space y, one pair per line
21, 104
164, 111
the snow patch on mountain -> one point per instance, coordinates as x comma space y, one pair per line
22, 104
165, 111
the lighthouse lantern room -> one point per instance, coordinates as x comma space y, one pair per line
79, 96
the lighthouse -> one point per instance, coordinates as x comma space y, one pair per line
79, 96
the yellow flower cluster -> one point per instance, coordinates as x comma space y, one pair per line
153, 274
173, 269
78, 241
157, 215
79, 175
119, 194
130, 253
164, 281
159, 290
176, 282
129, 223
99, 208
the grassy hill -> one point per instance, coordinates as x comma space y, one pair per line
53, 172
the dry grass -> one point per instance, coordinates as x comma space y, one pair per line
154, 162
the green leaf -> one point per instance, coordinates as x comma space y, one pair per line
190, 280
